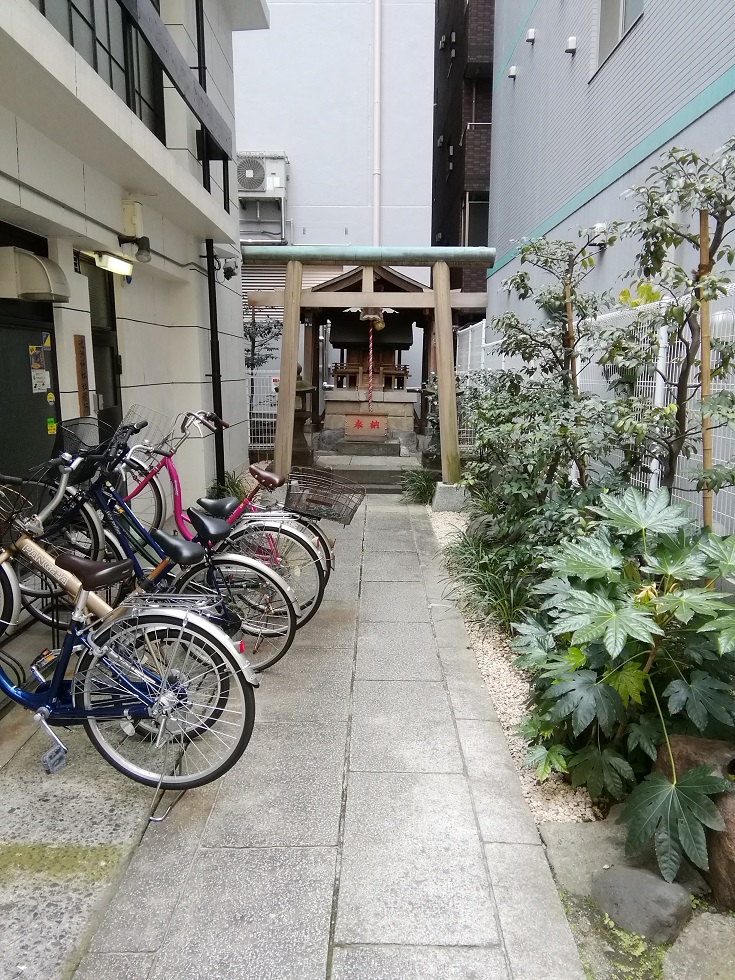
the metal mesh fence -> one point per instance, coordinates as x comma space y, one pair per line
653, 385
263, 402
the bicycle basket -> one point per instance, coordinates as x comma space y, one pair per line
156, 431
318, 494
14, 506
75, 436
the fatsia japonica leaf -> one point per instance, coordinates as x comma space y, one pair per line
676, 558
675, 813
589, 616
601, 769
690, 602
724, 627
588, 558
628, 680
633, 513
702, 696
586, 699
721, 552
547, 759
646, 733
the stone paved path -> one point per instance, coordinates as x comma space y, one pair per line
375, 828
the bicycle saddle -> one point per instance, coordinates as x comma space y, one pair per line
180, 550
208, 529
220, 508
95, 574
271, 481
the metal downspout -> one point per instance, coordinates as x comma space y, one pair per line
219, 439
377, 119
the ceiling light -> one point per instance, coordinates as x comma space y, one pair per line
113, 263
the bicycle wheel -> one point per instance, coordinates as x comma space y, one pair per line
149, 505
259, 601
72, 529
9, 598
287, 552
171, 706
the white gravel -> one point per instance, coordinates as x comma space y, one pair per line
508, 686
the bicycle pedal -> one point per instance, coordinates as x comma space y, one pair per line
53, 759
42, 662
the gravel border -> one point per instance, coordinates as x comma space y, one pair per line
508, 687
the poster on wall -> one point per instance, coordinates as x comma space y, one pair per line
40, 377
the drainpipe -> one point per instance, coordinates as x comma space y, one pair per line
219, 439
377, 121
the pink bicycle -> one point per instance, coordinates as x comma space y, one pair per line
297, 549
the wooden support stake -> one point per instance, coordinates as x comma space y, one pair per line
287, 379
446, 381
704, 324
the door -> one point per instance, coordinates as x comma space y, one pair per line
28, 386
107, 361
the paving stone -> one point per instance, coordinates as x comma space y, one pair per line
393, 602
397, 651
396, 519
436, 582
484, 746
392, 567
412, 870
403, 726
114, 966
343, 586
138, 916
445, 611
289, 792
704, 951
535, 930
311, 683
502, 812
332, 627
418, 963
261, 913
376, 541
470, 697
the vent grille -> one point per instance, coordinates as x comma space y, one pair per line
250, 174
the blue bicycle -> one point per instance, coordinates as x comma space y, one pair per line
160, 691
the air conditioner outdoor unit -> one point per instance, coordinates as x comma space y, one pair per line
262, 174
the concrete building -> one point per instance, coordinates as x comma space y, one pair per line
463, 61
585, 105
345, 94
107, 131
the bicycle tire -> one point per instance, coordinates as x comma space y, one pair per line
40, 596
204, 708
260, 599
9, 598
149, 506
290, 554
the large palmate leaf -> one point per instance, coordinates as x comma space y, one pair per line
628, 680
588, 558
586, 699
724, 627
600, 769
675, 814
633, 513
589, 617
702, 696
533, 643
676, 558
547, 759
721, 552
646, 733
690, 602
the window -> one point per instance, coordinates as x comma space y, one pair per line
474, 218
104, 35
616, 19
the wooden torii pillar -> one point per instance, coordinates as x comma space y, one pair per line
293, 298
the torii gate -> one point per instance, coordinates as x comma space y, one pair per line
439, 298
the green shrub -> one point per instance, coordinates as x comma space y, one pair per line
232, 486
418, 486
627, 647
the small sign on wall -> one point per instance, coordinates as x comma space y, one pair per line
80, 355
366, 426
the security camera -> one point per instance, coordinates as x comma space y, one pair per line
229, 270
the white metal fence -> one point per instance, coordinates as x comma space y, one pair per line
263, 402
477, 350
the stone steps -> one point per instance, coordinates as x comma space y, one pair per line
378, 474
364, 447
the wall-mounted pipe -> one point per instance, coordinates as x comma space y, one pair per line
377, 115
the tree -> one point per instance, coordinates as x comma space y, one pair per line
260, 337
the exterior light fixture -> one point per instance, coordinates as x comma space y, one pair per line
512, 71
113, 263
571, 47
531, 36
144, 246
598, 234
